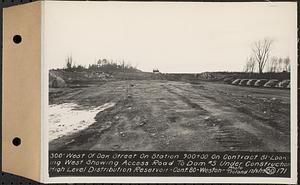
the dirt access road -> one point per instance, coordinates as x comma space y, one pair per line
179, 116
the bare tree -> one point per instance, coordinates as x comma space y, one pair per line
250, 65
287, 64
104, 61
99, 62
261, 51
273, 65
69, 62
280, 64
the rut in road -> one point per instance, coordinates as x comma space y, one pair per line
187, 101
232, 130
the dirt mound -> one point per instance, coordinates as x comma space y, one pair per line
207, 76
284, 84
97, 75
230, 76
271, 83
78, 77
55, 81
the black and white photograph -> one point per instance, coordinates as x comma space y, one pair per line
176, 89
150, 92
186, 77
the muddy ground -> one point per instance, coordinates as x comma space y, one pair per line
178, 116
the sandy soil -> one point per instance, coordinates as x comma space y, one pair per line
178, 116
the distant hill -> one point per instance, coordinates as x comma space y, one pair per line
60, 77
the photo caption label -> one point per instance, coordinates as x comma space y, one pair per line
218, 164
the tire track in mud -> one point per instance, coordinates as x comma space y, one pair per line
258, 132
242, 106
187, 101
225, 134
229, 137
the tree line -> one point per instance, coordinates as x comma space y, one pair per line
260, 59
103, 65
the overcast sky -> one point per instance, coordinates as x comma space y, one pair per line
173, 37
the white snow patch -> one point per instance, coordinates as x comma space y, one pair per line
65, 119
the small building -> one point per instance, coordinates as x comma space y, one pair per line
155, 71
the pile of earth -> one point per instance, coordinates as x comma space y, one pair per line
220, 76
62, 78
56, 81
207, 76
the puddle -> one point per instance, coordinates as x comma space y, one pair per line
65, 119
